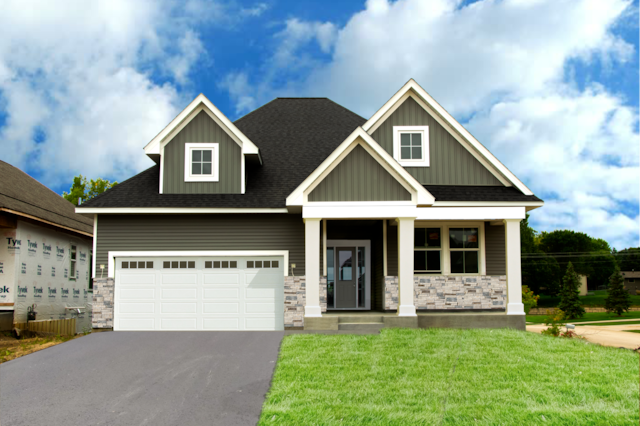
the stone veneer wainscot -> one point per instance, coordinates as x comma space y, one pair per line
448, 292
102, 303
294, 300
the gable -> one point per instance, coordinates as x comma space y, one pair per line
359, 177
450, 162
202, 129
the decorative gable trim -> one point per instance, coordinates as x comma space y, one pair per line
200, 103
466, 139
419, 195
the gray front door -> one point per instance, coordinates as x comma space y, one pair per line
346, 278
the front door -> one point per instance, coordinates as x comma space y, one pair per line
346, 289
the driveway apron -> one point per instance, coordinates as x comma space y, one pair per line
142, 378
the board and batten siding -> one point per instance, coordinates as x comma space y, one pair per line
494, 245
450, 163
195, 232
202, 129
359, 177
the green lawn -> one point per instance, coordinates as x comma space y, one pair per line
605, 324
597, 299
589, 316
453, 377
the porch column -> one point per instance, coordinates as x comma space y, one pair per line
514, 272
312, 267
406, 306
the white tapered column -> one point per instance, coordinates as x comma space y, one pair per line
406, 306
514, 271
312, 267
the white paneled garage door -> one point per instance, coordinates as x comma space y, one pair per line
203, 293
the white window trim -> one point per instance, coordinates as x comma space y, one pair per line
215, 162
445, 257
440, 249
397, 130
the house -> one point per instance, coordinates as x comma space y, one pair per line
631, 281
303, 214
45, 252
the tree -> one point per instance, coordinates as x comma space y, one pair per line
628, 259
618, 300
569, 294
86, 190
590, 256
541, 273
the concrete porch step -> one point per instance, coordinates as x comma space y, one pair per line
361, 326
359, 319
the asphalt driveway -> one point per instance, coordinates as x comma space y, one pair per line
142, 378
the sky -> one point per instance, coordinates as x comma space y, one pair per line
548, 86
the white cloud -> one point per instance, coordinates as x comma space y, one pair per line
505, 65
83, 75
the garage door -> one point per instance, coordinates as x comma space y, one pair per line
204, 293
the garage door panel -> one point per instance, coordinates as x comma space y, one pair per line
167, 323
213, 295
263, 279
261, 293
180, 278
137, 293
221, 324
180, 293
135, 308
221, 308
260, 323
136, 324
178, 308
259, 308
221, 278
221, 293
138, 278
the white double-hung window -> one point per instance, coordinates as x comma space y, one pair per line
411, 145
201, 162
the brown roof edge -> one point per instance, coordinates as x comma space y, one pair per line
46, 221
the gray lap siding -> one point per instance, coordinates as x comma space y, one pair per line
200, 232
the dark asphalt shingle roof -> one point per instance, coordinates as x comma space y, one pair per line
294, 135
22, 193
478, 193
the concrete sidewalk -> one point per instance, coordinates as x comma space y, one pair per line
601, 335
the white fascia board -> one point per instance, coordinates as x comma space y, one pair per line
296, 198
488, 204
470, 213
153, 147
358, 211
175, 210
112, 255
413, 85
95, 246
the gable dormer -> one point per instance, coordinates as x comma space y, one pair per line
202, 152
432, 146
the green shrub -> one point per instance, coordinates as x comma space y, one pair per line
618, 300
570, 302
554, 320
529, 299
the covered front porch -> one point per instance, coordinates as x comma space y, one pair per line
407, 272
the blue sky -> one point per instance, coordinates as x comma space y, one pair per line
549, 86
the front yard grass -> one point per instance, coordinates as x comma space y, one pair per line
589, 316
454, 377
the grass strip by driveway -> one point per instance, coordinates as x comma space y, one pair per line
451, 377
589, 316
606, 324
